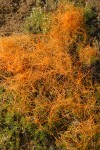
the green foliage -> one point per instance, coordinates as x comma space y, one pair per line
44, 141
38, 22
2, 90
90, 17
78, 2
13, 126
15, 133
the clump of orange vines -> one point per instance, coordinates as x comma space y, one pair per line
45, 72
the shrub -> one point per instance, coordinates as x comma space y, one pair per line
38, 21
90, 17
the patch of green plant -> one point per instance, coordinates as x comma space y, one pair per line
90, 17
2, 90
78, 2
15, 132
38, 21
44, 141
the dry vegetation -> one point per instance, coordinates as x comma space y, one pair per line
51, 85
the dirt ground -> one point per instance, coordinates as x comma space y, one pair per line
14, 12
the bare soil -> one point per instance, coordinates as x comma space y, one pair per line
13, 14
